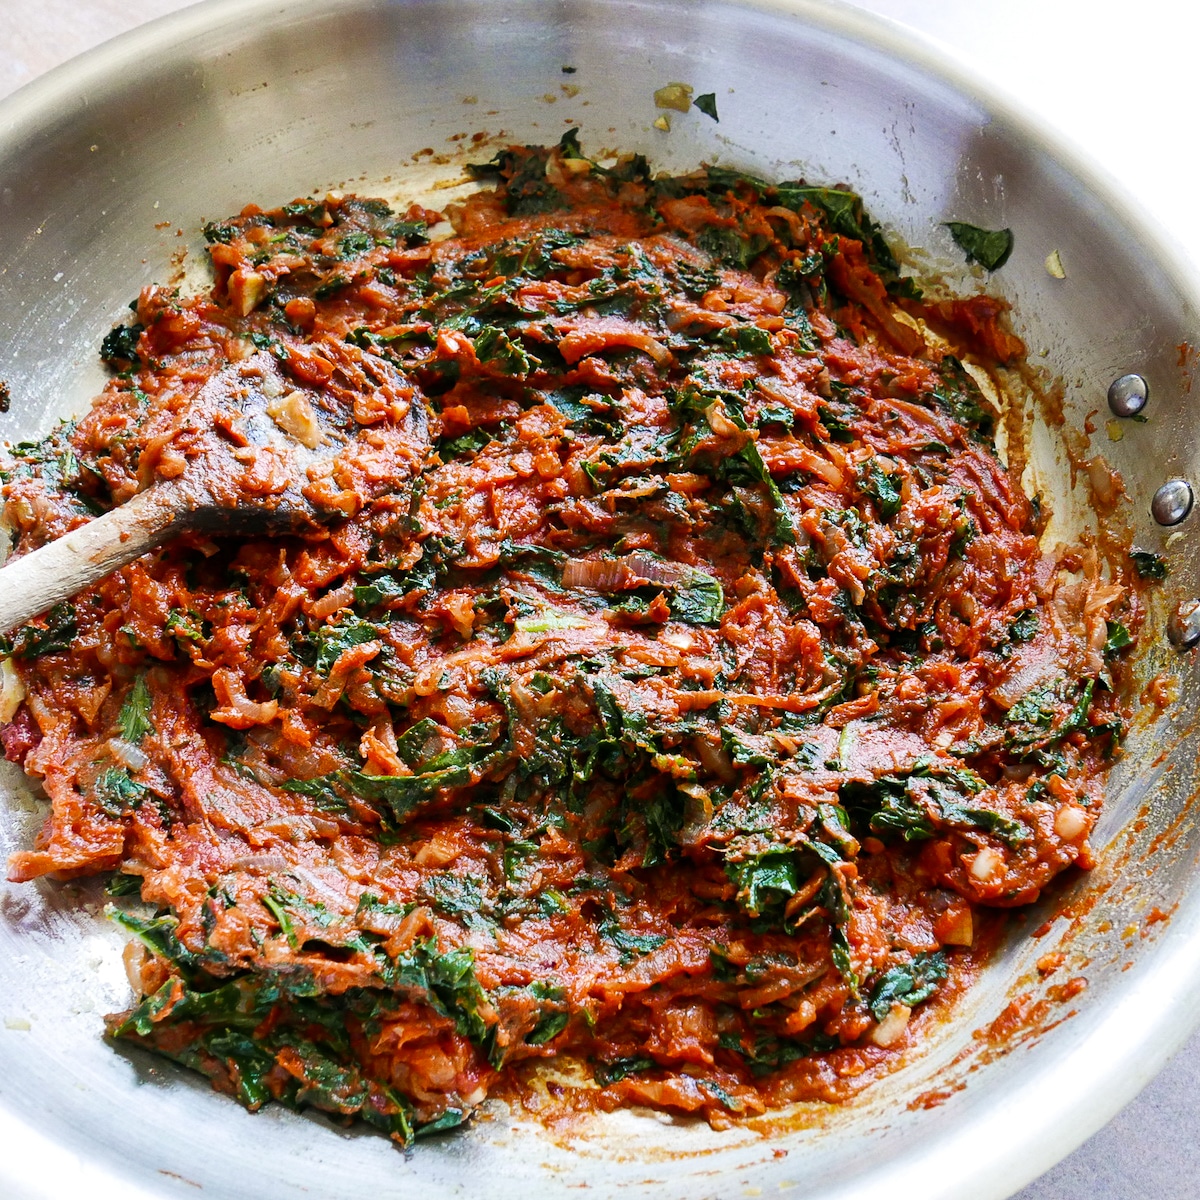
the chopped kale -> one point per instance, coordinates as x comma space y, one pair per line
989, 248
495, 348
729, 246
918, 804
120, 344
846, 215
554, 1015
333, 640
617, 1069
54, 633
769, 1053
1118, 638
960, 396
409, 233
882, 488
157, 934
745, 339
1149, 565
447, 981
1024, 625
117, 792
629, 944
699, 601
765, 880
124, 885
133, 721
908, 983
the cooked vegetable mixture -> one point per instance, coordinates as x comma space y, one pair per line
674, 680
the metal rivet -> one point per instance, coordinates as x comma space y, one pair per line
1184, 626
1127, 396
1172, 502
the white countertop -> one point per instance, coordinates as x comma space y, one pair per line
1119, 81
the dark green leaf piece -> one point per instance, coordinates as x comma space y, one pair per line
989, 248
908, 984
1149, 565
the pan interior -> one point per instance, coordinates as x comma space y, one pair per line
109, 168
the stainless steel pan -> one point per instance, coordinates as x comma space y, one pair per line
240, 100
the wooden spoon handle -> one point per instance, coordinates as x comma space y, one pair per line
32, 583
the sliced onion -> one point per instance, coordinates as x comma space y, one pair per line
12, 691
264, 863
1029, 673
618, 574
599, 574
656, 570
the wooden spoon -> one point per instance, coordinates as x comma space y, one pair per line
250, 439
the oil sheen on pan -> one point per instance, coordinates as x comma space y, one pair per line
676, 684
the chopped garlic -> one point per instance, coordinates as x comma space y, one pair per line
891, 1029
1114, 430
1070, 822
294, 415
987, 865
675, 95
246, 290
663, 122
1054, 265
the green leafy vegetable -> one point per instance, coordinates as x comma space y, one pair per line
745, 339
628, 943
1149, 565
729, 246
495, 348
120, 343
1030, 722
699, 601
133, 721
769, 1053
916, 805
124, 885
225, 1035
1024, 625
447, 981
409, 233
960, 396
157, 934
619, 1068
707, 104
846, 215
333, 640
1118, 637
882, 488
554, 1016
185, 626
278, 909
52, 634
117, 792
990, 248
764, 880
400, 793
908, 983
